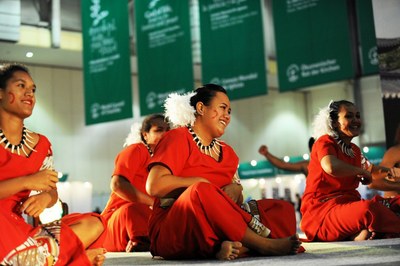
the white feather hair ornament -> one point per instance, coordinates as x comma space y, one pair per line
178, 109
322, 124
134, 135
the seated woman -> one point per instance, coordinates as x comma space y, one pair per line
128, 210
197, 211
26, 164
332, 208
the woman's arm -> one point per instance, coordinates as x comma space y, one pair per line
338, 168
161, 183
279, 163
124, 189
44, 180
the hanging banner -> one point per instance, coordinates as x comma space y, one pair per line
312, 42
232, 46
366, 29
106, 60
262, 169
164, 51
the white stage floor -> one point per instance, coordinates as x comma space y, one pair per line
385, 252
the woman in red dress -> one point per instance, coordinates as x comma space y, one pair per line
332, 208
128, 210
26, 164
197, 211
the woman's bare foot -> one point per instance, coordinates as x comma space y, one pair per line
363, 235
229, 250
281, 246
96, 256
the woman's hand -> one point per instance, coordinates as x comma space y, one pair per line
234, 191
36, 204
44, 180
263, 150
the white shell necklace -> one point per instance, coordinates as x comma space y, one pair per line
214, 147
346, 148
26, 137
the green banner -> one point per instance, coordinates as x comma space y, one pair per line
106, 60
232, 46
164, 51
312, 42
366, 30
375, 154
262, 169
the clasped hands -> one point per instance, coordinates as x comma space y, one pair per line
44, 181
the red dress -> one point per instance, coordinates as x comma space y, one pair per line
16, 233
333, 209
128, 220
203, 216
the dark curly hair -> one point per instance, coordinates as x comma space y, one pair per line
205, 94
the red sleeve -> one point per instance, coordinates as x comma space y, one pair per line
325, 146
172, 151
130, 160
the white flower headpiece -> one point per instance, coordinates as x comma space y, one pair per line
322, 123
134, 136
178, 109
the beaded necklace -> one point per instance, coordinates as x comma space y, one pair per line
346, 148
208, 150
26, 137
148, 148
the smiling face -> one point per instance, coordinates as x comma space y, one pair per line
348, 124
18, 97
217, 115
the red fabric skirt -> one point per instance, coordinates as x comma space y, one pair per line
16, 233
279, 216
204, 216
348, 219
129, 222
